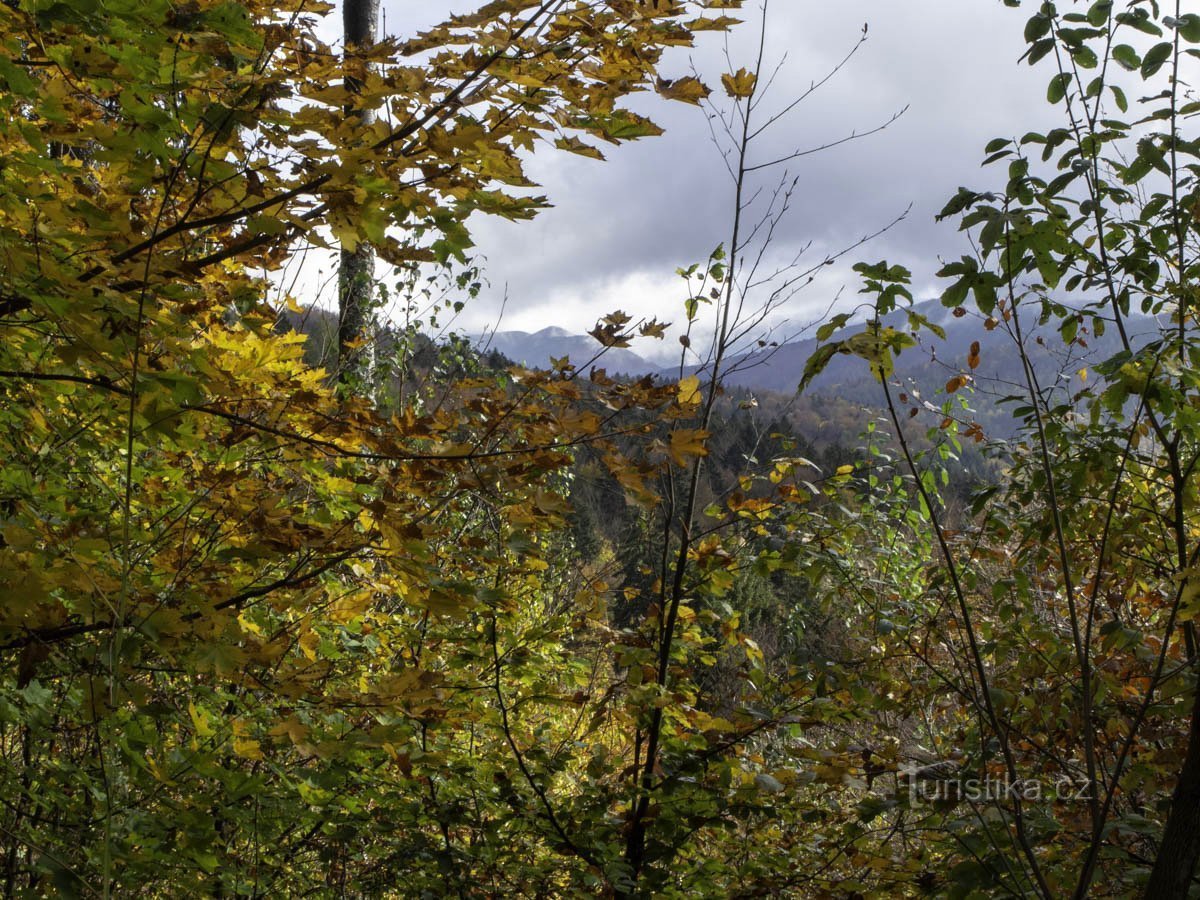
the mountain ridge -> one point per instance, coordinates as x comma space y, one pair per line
925, 368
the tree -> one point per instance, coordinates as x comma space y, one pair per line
1064, 621
356, 272
685, 759
233, 601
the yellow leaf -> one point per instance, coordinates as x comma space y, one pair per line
243, 746
753, 651
1189, 601
740, 84
687, 443
689, 391
249, 626
293, 728
686, 90
845, 470
347, 608
720, 23
575, 145
200, 721
309, 642
618, 317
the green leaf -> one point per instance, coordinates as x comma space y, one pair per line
1037, 28
1156, 57
1084, 57
1188, 27
826, 331
1149, 151
1139, 19
620, 125
1099, 12
1039, 50
15, 78
959, 203
817, 362
1127, 57
1057, 89
1070, 328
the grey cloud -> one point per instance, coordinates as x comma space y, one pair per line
661, 203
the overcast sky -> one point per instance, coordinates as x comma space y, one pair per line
620, 228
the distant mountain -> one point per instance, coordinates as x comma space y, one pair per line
846, 383
538, 348
927, 366
934, 360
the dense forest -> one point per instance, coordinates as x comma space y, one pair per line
304, 602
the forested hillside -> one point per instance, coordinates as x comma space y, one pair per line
303, 602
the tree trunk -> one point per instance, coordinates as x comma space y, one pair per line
356, 273
1175, 865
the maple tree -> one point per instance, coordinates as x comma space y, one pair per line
234, 600
266, 636
264, 633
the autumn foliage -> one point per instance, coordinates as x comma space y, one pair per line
265, 631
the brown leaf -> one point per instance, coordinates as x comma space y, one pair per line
958, 381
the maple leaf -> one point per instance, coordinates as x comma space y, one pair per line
740, 84
654, 329
686, 90
689, 391
686, 444
610, 335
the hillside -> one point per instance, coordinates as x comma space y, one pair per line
847, 380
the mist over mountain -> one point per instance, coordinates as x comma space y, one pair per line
538, 348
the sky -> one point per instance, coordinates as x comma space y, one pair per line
620, 228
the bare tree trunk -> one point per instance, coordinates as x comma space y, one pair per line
1175, 865
357, 270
